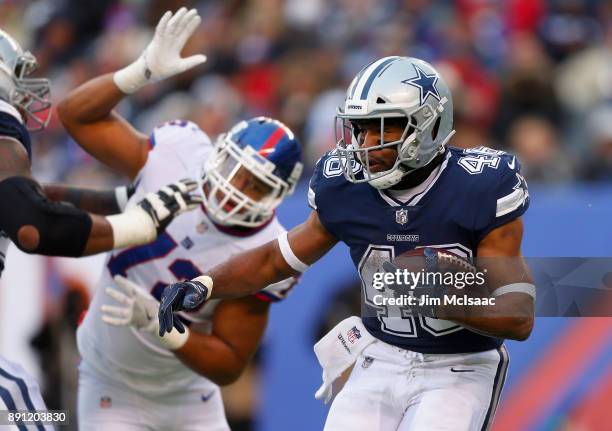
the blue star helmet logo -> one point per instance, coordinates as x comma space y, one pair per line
425, 83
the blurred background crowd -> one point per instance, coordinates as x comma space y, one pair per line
530, 76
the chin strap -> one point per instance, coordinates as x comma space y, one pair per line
388, 180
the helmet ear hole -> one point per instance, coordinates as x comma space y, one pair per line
434, 130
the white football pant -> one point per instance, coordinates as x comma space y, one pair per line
395, 389
105, 405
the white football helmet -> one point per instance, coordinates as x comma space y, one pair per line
269, 153
395, 87
30, 95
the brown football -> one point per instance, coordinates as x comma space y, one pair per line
447, 261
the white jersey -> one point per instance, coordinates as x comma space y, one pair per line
191, 245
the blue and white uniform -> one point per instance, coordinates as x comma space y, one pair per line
127, 379
468, 195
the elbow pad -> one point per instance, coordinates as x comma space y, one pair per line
63, 229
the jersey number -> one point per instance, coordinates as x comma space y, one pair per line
395, 320
182, 269
334, 165
478, 158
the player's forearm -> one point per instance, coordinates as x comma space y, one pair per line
211, 357
87, 113
250, 271
510, 317
101, 237
101, 202
89, 103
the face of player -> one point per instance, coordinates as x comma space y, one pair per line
247, 183
369, 134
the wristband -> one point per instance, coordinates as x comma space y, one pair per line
207, 282
174, 340
133, 227
131, 78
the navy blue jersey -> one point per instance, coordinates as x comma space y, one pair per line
12, 127
471, 193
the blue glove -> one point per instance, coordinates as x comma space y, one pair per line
184, 295
425, 290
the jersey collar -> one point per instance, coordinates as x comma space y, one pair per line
414, 195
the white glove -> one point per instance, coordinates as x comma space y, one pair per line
162, 57
138, 309
142, 223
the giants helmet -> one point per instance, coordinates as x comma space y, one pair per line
29, 95
395, 87
266, 149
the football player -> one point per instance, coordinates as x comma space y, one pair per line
130, 377
391, 185
42, 224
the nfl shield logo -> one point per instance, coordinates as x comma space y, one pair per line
105, 402
353, 334
367, 361
401, 216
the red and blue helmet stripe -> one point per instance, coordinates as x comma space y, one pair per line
273, 141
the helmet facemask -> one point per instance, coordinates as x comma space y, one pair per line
392, 87
31, 95
420, 129
229, 165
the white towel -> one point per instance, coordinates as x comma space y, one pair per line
338, 350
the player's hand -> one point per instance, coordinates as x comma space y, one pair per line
142, 223
163, 54
162, 57
419, 293
185, 295
170, 201
136, 307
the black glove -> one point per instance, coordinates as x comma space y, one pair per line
421, 292
184, 295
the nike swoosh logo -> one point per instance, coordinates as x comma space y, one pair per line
512, 164
454, 370
208, 397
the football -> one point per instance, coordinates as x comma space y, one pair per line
433, 259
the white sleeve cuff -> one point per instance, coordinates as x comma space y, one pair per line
291, 259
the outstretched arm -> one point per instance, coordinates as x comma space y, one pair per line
88, 116
87, 112
102, 202
36, 225
250, 271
